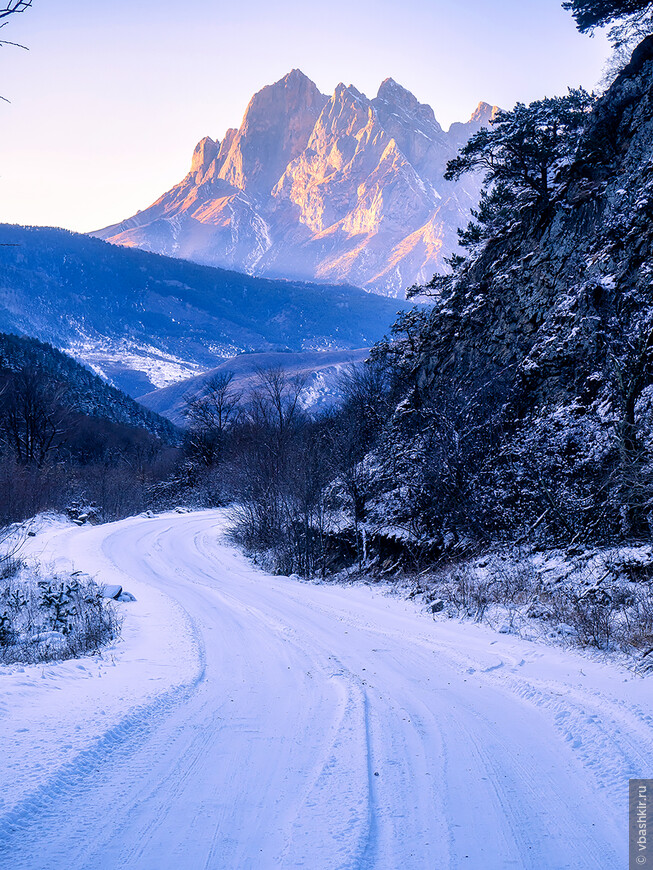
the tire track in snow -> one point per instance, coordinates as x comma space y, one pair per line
349, 812
309, 692
612, 743
119, 744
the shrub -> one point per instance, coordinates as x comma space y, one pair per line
42, 619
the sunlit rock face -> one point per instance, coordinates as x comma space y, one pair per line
337, 189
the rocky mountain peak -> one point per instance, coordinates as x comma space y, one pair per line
413, 127
401, 99
339, 188
292, 92
296, 78
275, 129
389, 88
348, 94
342, 118
204, 154
483, 114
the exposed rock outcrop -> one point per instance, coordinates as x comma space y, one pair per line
553, 293
529, 397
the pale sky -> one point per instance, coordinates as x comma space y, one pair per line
110, 100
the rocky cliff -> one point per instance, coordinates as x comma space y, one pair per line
528, 389
552, 293
338, 189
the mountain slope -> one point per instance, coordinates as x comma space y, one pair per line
83, 391
339, 189
146, 321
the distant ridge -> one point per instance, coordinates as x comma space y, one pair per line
146, 321
320, 370
334, 189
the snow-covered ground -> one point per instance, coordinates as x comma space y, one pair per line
247, 722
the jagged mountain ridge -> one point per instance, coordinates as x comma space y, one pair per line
334, 189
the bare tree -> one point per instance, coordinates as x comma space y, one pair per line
210, 414
33, 419
269, 468
12, 6
275, 400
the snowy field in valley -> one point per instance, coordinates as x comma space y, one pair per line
246, 722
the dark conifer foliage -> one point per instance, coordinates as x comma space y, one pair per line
521, 147
590, 14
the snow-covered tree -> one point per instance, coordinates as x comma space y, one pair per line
629, 21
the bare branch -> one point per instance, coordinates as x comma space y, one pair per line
10, 7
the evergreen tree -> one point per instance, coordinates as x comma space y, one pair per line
522, 148
590, 14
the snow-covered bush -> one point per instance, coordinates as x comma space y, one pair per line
599, 598
51, 618
592, 612
471, 591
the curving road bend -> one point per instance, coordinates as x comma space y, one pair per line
284, 724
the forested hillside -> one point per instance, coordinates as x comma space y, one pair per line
69, 441
146, 321
78, 386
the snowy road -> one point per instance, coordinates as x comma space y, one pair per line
249, 722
